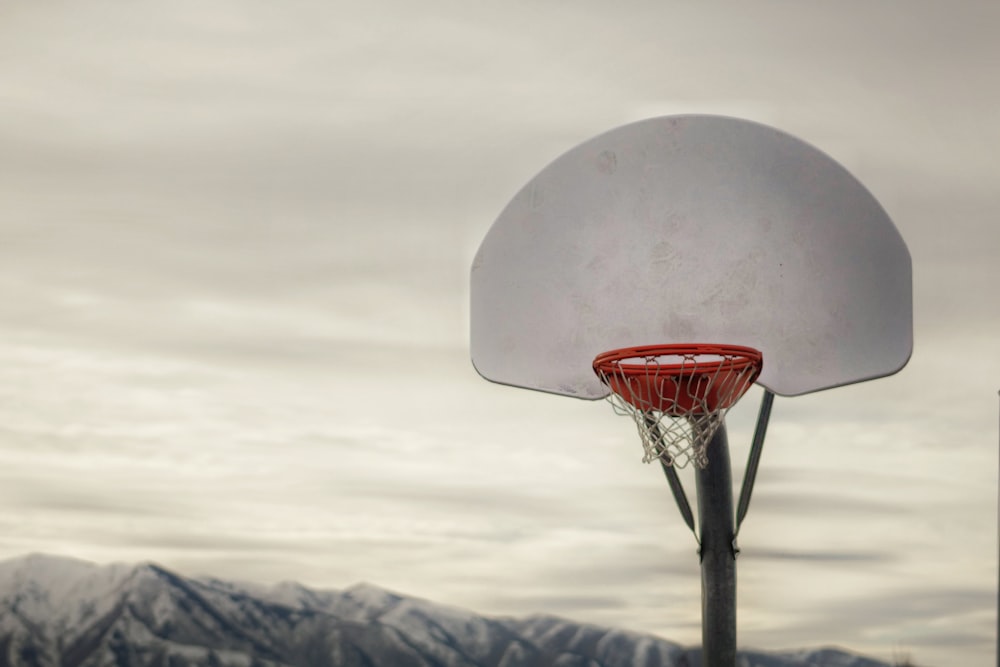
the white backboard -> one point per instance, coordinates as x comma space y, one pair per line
692, 229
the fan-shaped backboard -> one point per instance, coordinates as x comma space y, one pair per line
692, 229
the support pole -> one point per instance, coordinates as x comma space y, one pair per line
718, 560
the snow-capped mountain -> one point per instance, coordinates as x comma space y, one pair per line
58, 612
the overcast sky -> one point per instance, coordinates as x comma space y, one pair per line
235, 240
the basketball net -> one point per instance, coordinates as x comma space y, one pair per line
678, 395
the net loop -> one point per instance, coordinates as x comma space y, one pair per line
678, 395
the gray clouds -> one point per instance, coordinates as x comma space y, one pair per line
234, 246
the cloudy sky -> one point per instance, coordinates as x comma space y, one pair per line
235, 240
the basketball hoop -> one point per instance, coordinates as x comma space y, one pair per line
677, 395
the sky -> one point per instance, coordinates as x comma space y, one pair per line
235, 241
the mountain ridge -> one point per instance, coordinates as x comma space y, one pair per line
62, 612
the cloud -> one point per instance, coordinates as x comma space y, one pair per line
819, 505
938, 618
233, 277
821, 556
561, 604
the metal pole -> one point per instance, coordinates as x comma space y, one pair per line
718, 560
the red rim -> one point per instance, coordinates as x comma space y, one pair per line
713, 377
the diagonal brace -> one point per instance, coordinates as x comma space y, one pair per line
674, 480
754, 460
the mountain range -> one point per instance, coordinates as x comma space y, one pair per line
61, 612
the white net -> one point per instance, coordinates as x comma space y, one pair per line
678, 397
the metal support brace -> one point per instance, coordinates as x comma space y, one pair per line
679, 496
753, 462
675, 484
